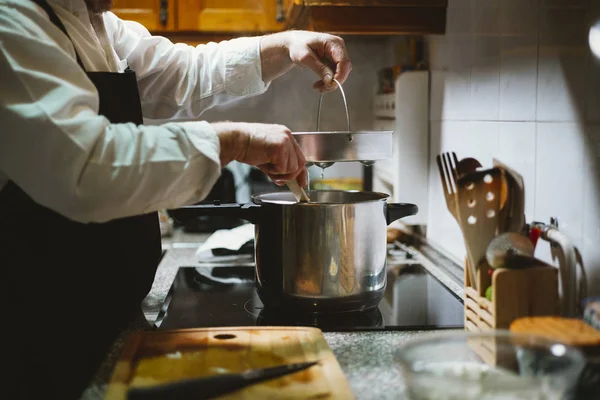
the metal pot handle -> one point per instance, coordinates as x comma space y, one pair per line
249, 211
394, 211
345, 105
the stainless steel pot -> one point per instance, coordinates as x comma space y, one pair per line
328, 255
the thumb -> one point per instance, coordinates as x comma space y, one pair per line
312, 61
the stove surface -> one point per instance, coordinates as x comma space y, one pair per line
221, 296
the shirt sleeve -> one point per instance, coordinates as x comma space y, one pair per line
182, 81
55, 146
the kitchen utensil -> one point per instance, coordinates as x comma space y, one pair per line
447, 166
562, 249
448, 365
154, 358
297, 191
507, 248
446, 163
214, 386
467, 165
328, 255
326, 148
478, 207
513, 218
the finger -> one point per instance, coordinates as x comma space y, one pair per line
303, 178
288, 159
278, 178
284, 177
342, 70
321, 87
299, 154
335, 50
310, 60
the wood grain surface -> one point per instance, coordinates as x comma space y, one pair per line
157, 357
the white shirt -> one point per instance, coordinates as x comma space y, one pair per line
55, 146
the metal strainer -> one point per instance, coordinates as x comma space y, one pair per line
323, 149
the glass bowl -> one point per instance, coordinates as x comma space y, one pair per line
488, 365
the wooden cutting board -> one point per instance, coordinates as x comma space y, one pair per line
157, 357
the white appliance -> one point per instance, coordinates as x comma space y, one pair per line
405, 176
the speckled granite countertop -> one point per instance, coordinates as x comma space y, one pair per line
365, 357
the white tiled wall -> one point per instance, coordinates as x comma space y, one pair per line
515, 80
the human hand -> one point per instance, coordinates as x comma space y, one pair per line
324, 54
270, 147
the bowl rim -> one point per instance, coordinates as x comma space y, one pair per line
570, 352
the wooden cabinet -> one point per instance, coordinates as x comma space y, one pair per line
155, 15
367, 16
240, 16
203, 18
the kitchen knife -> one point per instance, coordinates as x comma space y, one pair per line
214, 386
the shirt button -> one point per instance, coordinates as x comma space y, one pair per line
76, 14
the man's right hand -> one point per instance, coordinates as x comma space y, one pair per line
270, 147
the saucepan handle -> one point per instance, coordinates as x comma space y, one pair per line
249, 211
394, 211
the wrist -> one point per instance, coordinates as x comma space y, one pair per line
231, 142
275, 55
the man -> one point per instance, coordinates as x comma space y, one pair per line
81, 177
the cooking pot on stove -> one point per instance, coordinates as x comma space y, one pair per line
328, 255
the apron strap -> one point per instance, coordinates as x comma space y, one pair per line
57, 22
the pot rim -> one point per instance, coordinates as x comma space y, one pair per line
377, 197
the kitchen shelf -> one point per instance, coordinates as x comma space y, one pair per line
377, 17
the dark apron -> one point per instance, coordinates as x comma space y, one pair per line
69, 288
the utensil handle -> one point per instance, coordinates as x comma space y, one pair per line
298, 191
345, 105
394, 211
189, 389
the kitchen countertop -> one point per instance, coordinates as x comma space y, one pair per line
365, 357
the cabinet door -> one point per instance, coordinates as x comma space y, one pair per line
155, 15
243, 16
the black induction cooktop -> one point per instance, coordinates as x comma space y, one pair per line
221, 296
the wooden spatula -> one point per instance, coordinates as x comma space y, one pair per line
479, 197
298, 191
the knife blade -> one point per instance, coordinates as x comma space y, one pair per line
214, 386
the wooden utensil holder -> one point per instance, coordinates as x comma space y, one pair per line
516, 293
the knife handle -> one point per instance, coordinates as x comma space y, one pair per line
188, 389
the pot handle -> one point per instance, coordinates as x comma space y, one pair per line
394, 211
249, 211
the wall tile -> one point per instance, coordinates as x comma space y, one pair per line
591, 209
458, 17
593, 89
563, 22
485, 78
450, 95
559, 183
561, 89
436, 103
517, 149
485, 17
518, 78
519, 18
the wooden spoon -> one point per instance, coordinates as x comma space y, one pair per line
298, 191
